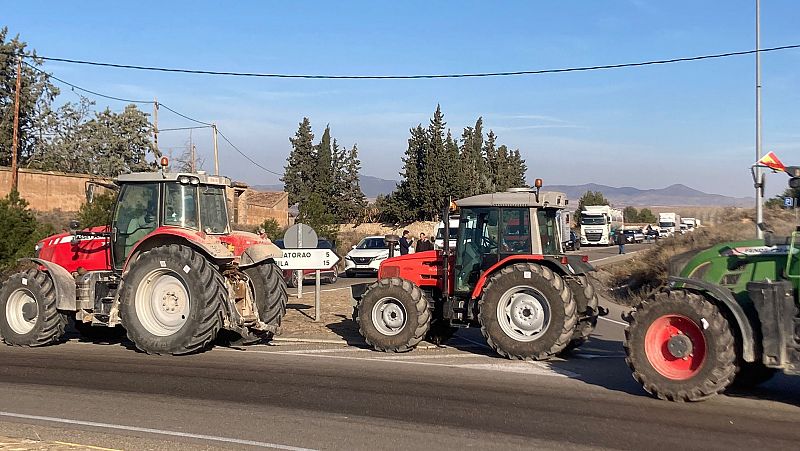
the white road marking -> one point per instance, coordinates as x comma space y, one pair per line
614, 321
510, 367
121, 427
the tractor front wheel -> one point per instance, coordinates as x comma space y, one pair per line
680, 346
28, 315
171, 300
393, 315
527, 312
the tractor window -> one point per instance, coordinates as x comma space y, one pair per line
135, 217
213, 214
477, 246
548, 231
516, 237
180, 205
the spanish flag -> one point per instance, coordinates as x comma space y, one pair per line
771, 161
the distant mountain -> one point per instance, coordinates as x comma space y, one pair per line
371, 186
673, 195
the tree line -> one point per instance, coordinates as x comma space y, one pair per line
71, 137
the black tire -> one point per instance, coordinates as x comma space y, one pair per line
36, 322
271, 296
711, 375
440, 332
550, 291
293, 280
587, 301
202, 283
396, 295
334, 275
752, 374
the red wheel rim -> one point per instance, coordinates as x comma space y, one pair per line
664, 360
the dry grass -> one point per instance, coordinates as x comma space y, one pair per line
632, 280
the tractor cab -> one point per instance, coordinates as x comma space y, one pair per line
149, 201
494, 227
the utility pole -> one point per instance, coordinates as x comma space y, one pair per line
15, 141
216, 154
191, 152
155, 123
758, 174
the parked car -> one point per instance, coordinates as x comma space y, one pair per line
326, 276
652, 235
573, 243
633, 236
663, 233
367, 255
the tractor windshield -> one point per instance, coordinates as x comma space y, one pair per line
213, 214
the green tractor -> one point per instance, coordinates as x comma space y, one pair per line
729, 316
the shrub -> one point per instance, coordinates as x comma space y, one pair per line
99, 211
20, 229
272, 229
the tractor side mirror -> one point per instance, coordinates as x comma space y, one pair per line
74, 226
794, 182
90, 193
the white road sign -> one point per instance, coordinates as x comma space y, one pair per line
308, 259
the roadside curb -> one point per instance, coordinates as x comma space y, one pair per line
309, 340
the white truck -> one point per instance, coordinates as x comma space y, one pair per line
669, 223
597, 222
691, 223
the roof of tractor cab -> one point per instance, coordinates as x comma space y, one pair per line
138, 177
516, 197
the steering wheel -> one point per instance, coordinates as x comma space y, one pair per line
488, 244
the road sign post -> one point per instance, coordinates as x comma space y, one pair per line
316, 259
300, 236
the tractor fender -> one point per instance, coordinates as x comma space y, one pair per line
257, 253
63, 281
161, 236
724, 298
574, 266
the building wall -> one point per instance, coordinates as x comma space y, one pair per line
50, 191
47, 191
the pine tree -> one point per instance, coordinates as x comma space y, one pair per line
351, 194
301, 164
434, 168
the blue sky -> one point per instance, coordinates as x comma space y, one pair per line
690, 123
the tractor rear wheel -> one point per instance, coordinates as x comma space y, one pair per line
527, 312
587, 301
680, 346
393, 315
28, 314
171, 300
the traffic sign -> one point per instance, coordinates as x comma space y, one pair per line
300, 236
308, 259
788, 202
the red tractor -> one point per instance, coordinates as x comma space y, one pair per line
507, 275
169, 269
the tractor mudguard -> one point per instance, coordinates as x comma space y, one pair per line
257, 253
66, 297
725, 297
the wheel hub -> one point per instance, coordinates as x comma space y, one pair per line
523, 313
680, 346
30, 311
389, 316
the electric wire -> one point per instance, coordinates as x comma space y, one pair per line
416, 77
160, 105
182, 128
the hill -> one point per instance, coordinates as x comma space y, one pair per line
678, 195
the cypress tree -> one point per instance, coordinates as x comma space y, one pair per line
300, 165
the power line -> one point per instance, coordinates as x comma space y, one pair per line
246, 156
161, 105
415, 77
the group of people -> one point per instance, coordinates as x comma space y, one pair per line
421, 244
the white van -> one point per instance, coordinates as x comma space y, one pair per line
439, 233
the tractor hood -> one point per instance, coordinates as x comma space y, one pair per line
422, 268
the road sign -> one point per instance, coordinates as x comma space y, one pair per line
788, 202
308, 259
300, 236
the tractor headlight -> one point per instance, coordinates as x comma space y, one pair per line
38, 247
194, 181
184, 179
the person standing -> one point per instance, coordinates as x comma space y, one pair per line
621, 241
405, 244
423, 244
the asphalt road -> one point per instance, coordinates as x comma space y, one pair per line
325, 396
